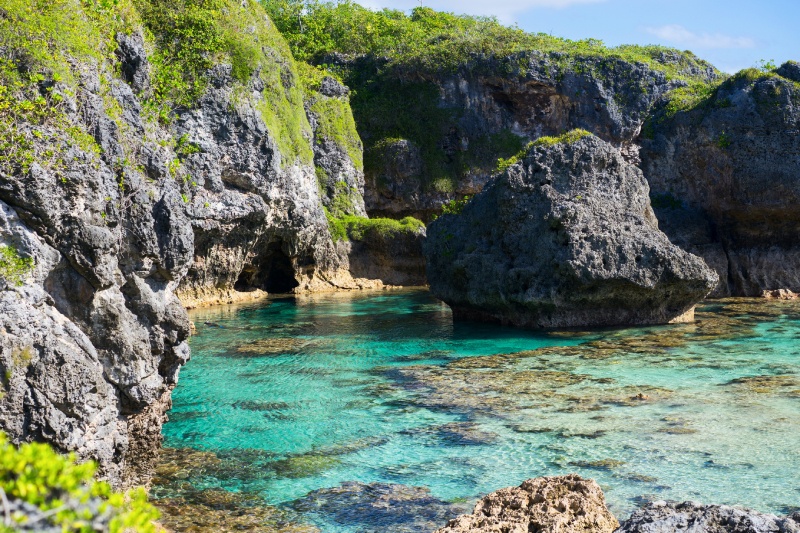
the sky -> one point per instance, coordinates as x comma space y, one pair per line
731, 34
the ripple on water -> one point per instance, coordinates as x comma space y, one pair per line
306, 412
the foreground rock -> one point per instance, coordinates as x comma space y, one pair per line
563, 504
564, 238
671, 517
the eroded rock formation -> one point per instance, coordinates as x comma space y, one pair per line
673, 517
120, 211
490, 105
564, 238
726, 182
565, 504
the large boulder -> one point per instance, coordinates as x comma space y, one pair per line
564, 504
564, 238
672, 517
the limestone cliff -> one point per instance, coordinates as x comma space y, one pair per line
150, 149
725, 175
490, 107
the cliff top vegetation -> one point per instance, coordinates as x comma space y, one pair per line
434, 40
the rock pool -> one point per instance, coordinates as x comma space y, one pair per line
361, 412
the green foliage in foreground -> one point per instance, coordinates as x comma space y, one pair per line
565, 138
351, 227
14, 268
57, 485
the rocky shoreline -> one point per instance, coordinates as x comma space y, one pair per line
570, 504
125, 200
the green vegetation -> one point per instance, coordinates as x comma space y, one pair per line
351, 227
435, 41
343, 200
192, 36
393, 56
41, 41
723, 140
14, 268
335, 122
455, 206
565, 138
62, 489
706, 97
37, 40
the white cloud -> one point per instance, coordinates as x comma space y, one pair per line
502, 9
678, 35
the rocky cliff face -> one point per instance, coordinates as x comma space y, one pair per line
724, 177
123, 199
565, 238
94, 337
490, 108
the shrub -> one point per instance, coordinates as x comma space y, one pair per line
351, 227
67, 493
566, 138
14, 268
455, 207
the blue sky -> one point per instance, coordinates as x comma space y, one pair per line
731, 34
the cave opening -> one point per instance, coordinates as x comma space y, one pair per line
273, 272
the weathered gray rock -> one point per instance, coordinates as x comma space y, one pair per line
790, 70
394, 257
257, 219
672, 517
338, 152
529, 94
564, 504
94, 338
118, 224
564, 238
725, 181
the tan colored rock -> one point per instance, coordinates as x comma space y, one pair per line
563, 504
780, 294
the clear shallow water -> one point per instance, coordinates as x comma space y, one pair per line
307, 393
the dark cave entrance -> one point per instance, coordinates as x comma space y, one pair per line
273, 272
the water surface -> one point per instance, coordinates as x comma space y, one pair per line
302, 394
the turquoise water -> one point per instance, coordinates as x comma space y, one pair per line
306, 393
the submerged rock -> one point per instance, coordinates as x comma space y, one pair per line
379, 507
219, 511
562, 504
671, 517
565, 238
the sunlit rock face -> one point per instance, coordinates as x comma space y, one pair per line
725, 179
563, 504
565, 238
